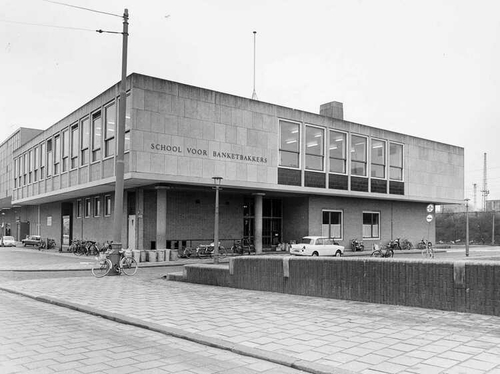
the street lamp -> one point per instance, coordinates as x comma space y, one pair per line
217, 187
467, 227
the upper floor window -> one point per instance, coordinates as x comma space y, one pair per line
315, 148
109, 130
43, 154
65, 150
78, 209
57, 154
49, 157
15, 172
358, 155
371, 225
127, 121
36, 158
30, 166
337, 151
396, 161
96, 136
85, 134
289, 144
378, 159
25, 169
74, 147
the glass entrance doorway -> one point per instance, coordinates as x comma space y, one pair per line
271, 221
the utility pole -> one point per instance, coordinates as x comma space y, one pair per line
120, 159
254, 94
485, 184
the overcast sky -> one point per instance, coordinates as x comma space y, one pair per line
428, 68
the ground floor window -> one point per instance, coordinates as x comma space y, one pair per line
371, 225
332, 224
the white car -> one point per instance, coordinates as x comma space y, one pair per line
8, 241
316, 246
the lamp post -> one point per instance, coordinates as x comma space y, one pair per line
217, 181
467, 227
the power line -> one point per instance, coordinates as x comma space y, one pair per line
46, 25
80, 7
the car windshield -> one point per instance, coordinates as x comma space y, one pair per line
306, 241
8, 238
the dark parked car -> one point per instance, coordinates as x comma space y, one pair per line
34, 240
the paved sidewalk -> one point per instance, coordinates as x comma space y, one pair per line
312, 334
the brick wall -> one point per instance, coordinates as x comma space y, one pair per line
472, 287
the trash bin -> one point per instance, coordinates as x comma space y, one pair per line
161, 255
152, 256
143, 256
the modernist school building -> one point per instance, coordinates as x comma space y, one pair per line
285, 173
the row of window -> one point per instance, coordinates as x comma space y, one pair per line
85, 141
93, 207
343, 150
333, 224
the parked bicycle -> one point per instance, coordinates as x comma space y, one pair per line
428, 251
103, 265
357, 245
423, 244
382, 252
243, 246
205, 250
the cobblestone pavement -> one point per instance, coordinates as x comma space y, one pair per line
41, 338
314, 334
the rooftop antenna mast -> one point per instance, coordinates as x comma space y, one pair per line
254, 95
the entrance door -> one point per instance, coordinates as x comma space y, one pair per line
131, 231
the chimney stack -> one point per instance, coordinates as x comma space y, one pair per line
332, 109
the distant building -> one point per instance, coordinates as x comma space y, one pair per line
286, 173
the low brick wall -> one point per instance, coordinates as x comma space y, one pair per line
472, 287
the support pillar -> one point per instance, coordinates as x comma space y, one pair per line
161, 218
139, 226
258, 223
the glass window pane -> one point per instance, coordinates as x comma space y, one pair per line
85, 133
314, 141
337, 152
358, 155
396, 155
289, 136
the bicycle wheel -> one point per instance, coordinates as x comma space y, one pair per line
128, 265
377, 253
101, 268
426, 253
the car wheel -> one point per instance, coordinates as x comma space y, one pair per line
315, 253
338, 254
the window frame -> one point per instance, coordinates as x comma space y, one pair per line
373, 213
384, 165
65, 149
87, 207
109, 134
79, 208
322, 145
353, 150
346, 147
97, 206
75, 145
341, 225
298, 140
57, 154
96, 135
400, 168
84, 141
107, 205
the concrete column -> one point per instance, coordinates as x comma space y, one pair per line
139, 226
258, 223
161, 218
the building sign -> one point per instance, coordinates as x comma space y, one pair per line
176, 149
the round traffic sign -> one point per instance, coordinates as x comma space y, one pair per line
429, 218
430, 208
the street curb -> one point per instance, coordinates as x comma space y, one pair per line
276, 358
